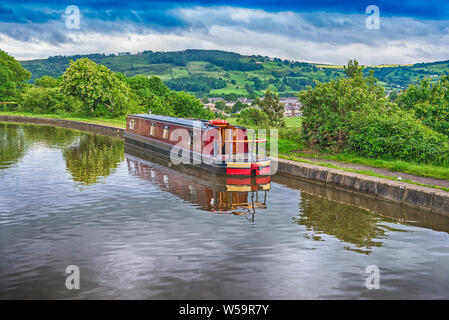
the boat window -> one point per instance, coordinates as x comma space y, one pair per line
131, 124
152, 128
190, 137
165, 132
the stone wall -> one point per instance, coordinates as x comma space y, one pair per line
424, 198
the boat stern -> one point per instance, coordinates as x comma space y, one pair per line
257, 168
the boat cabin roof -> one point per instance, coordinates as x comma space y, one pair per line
175, 120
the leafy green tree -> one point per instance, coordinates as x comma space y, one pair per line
353, 70
429, 102
220, 105
273, 108
152, 94
47, 82
231, 97
204, 99
393, 95
156, 97
252, 117
100, 89
13, 77
238, 106
187, 106
282, 87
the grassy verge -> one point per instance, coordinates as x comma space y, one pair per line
393, 165
106, 121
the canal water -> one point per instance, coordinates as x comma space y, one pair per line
139, 228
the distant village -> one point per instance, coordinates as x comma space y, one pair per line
292, 107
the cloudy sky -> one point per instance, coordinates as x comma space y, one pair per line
305, 30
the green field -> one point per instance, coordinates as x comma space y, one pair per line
291, 122
244, 75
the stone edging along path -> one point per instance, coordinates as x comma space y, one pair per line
427, 199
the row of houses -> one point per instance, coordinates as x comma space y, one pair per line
292, 107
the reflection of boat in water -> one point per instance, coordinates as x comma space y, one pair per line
219, 194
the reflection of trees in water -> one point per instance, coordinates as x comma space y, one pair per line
16, 139
88, 157
349, 224
50, 136
12, 144
93, 157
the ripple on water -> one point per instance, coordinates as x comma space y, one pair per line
139, 229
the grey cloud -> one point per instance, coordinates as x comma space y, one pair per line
318, 36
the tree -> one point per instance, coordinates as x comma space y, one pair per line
220, 105
187, 106
252, 117
353, 70
238, 106
12, 77
152, 94
231, 97
273, 108
204, 99
47, 82
429, 102
393, 95
102, 92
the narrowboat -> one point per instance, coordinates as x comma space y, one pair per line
212, 145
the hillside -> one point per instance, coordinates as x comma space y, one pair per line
217, 73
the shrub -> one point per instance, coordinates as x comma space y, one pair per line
398, 135
47, 100
290, 139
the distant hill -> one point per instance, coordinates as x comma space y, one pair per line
215, 73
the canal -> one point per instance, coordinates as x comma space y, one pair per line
139, 228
